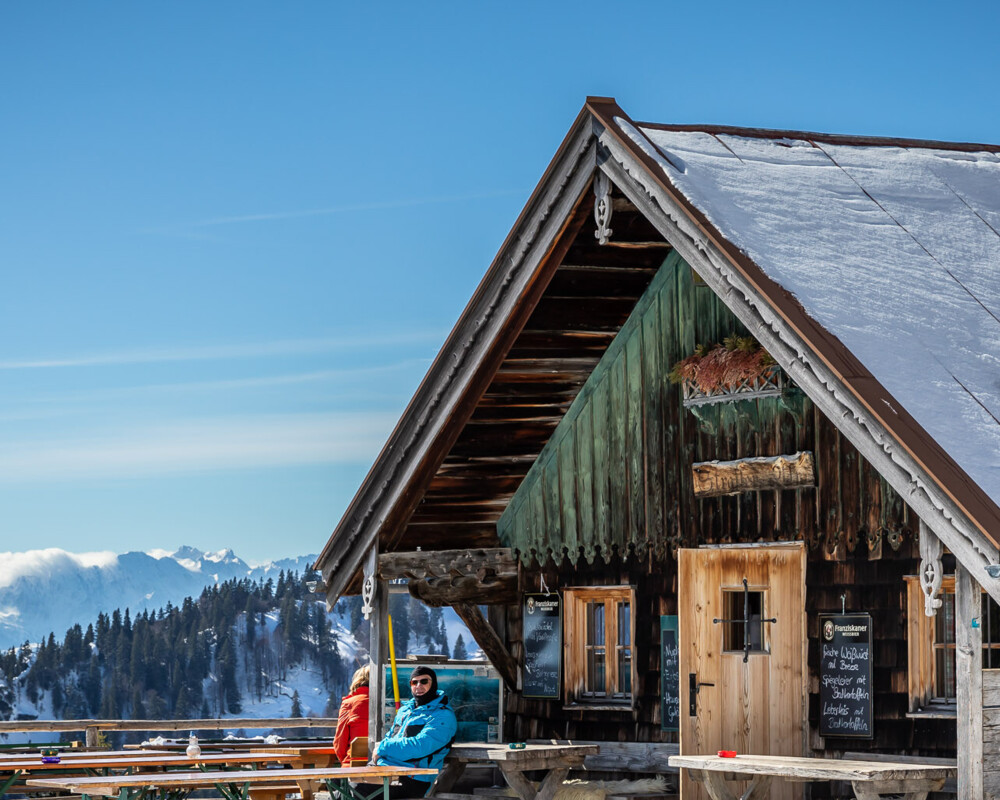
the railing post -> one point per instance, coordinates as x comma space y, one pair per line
92, 736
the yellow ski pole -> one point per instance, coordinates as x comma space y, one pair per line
392, 661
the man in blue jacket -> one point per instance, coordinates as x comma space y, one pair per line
421, 734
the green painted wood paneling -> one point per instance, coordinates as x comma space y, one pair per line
616, 473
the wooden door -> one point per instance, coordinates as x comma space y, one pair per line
747, 680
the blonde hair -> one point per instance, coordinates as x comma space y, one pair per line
360, 678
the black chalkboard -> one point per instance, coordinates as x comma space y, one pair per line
542, 645
845, 675
670, 704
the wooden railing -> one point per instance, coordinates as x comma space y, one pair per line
92, 726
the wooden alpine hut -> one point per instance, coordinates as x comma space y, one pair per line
716, 444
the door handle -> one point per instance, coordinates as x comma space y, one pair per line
694, 686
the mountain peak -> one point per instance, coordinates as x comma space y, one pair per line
35, 586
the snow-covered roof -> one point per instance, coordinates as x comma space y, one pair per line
895, 250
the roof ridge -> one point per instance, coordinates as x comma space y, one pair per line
830, 138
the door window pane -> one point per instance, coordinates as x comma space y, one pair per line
739, 606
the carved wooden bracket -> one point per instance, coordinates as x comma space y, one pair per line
368, 588
931, 572
602, 207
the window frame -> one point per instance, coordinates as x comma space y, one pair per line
922, 647
576, 646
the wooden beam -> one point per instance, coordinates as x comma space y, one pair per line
969, 682
489, 641
716, 478
447, 590
436, 563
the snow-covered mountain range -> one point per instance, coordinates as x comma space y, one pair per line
44, 591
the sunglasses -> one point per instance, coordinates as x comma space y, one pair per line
420, 682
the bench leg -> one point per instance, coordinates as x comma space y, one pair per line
758, 789
447, 778
525, 789
716, 786
551, 783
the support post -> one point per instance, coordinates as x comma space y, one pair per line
969, 682
377, 600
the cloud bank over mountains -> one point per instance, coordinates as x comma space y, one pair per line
52, 589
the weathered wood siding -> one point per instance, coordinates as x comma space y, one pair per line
991, 734
610, 499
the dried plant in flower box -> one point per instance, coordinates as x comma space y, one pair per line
737, 369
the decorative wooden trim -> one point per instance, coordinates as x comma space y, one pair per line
575, 643
368, 586
602, 208
931, 571
480, 562
717, 478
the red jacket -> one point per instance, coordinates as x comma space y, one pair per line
352, 722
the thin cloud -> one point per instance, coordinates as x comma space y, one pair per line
353, 207
230, 384
220, 352
201, 445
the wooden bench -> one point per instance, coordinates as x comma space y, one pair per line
231, 785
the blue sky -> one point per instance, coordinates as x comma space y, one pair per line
234, 234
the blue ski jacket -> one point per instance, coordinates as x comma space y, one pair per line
420, 736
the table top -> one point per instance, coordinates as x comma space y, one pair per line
144, 758
110, 786
816, 768
493, 751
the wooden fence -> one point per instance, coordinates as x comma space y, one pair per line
92, 726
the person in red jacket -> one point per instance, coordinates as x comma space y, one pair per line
352, 721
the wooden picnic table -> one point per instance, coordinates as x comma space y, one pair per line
556, 760
13, 770
231, 785
869, 779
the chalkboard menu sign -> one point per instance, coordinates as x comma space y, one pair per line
670, 702
845, 670
542, 645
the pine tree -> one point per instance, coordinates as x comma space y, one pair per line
460, 653
296, 704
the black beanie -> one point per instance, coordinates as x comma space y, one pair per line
432, 692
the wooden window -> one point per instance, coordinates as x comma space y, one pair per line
931, 647
597, 646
